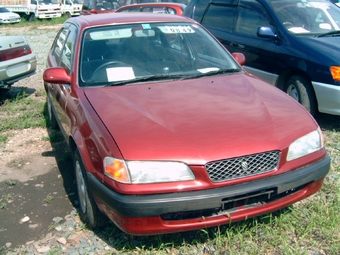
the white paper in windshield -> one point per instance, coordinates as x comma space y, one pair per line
207, 70
111, 34
120, 74
176, 29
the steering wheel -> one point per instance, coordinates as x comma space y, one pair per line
100, 69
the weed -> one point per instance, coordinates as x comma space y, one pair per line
4, 200
53, 226
55, 250
48, 198
3, 138
10, 182
40, 93
16, 163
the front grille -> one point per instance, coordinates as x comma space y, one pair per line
230, 169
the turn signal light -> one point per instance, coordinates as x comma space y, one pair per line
335, 71
116, 169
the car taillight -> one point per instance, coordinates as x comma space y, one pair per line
15, 53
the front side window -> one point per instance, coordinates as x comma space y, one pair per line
150, 51
89, 5
251, 16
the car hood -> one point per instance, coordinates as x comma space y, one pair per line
199, 120
328, 45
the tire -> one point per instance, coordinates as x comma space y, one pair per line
31, 17
51, 117
4, 90
299, 88
88, 210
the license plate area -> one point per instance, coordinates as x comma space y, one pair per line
248, 200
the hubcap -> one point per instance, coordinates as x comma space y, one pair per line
293, 92
81, 187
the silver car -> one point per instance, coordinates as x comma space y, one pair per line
7, 16
17, 61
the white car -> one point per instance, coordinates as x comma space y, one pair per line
17, 61
6, 16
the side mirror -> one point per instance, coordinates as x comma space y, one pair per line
266, 32
239, 57
57, 75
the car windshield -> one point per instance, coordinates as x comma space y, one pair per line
2, 9
123, 54
306, 17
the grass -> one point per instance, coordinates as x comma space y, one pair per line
36, 23
21, 112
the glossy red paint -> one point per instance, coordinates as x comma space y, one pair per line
184, 142
193, 121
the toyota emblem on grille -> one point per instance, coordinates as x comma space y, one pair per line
244, 166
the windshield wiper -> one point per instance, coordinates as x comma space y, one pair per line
332, 33
212, 73
146, 78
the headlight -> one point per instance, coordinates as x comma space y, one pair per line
305, 145
146, 171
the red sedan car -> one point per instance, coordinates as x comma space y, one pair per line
163, 7
168, 132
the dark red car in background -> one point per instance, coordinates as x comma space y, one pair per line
164, 7
168, 132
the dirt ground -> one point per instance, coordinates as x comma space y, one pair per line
36, 184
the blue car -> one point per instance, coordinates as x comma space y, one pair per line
292, 44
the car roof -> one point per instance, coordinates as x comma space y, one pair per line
154, 4
84, 21
160, 4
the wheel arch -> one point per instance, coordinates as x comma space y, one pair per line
76, 143
284, 77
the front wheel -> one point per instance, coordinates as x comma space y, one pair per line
302, 91
88, 210
51, 116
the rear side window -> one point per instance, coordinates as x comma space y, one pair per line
63, 47
219, 17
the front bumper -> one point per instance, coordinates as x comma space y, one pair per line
132, 212
328, 97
